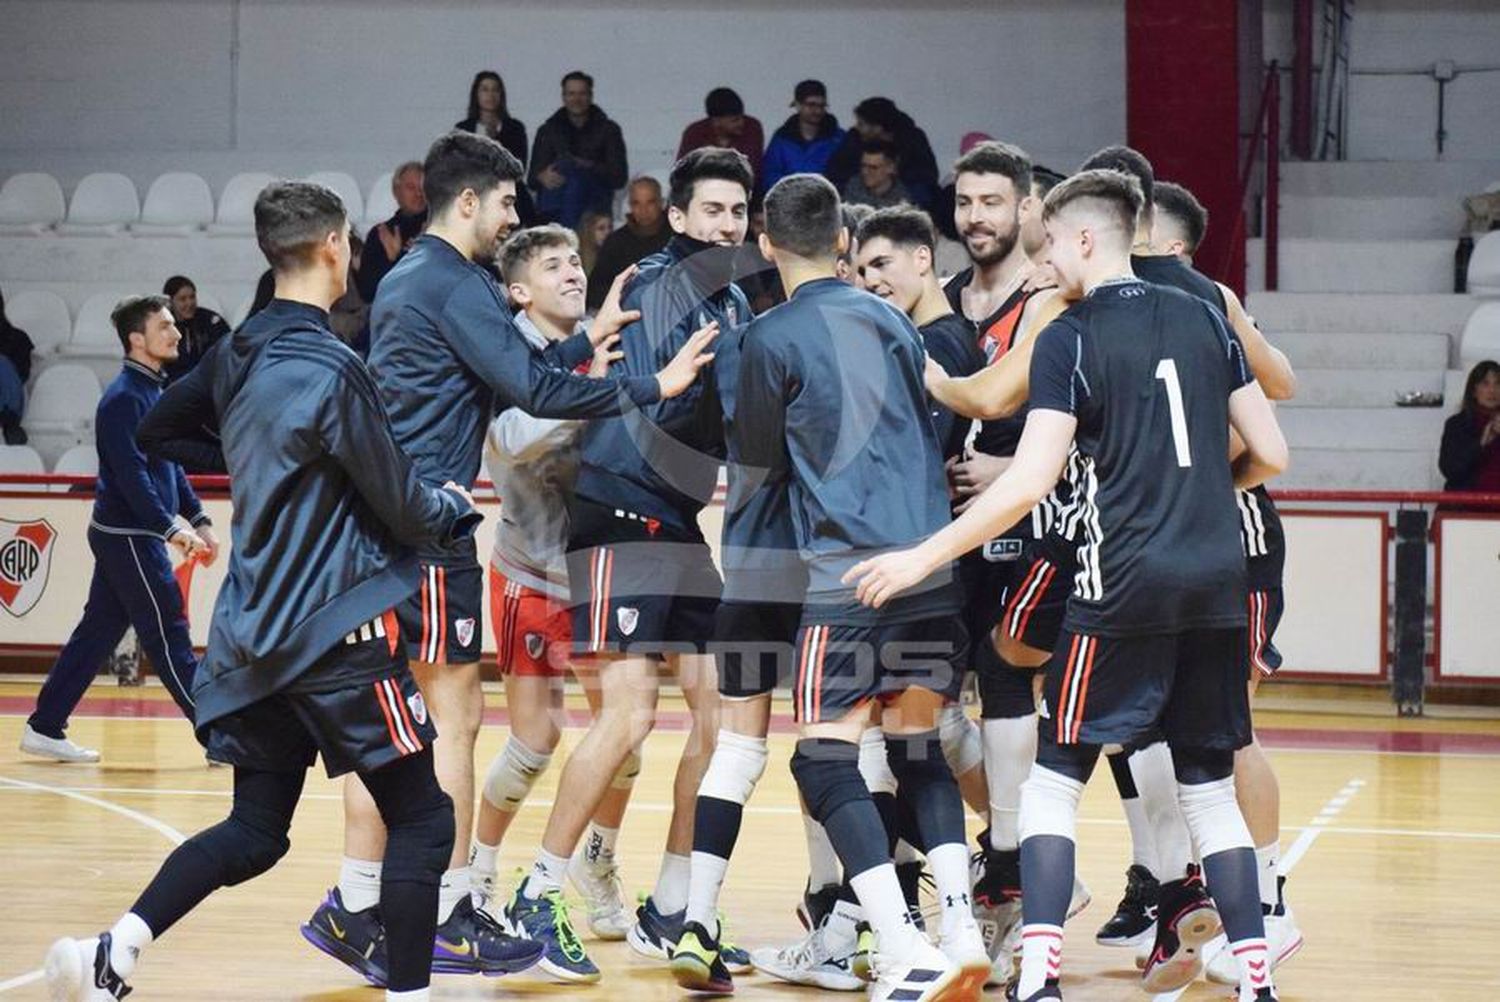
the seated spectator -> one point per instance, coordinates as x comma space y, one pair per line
878, 118
15, 370
593, 229
578, 162
489, 115
387, 241
645, 232
201, 328
1470, 454
806, 140
878, 183
726, 125
349, 316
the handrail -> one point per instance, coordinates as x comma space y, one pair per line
1267, 126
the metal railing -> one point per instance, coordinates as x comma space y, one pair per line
1265, 147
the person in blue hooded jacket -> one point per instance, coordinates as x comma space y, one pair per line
806, 140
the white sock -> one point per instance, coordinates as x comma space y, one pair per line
1041, 957
880, 896
482, 861
671, 892
841, 928
128, 938
1255, 966
1142, 839
1009, 750
599, 843
415, 995
1266, 859
453, 889
359, 884
823, 867
547, 874
707, 880
1157, 783
950, 872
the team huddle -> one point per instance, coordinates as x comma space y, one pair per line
1044, 476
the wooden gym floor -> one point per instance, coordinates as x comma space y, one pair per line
1392, 828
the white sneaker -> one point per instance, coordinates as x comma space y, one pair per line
598, 883
926, 976
1283, 941
817, 960
963, 943
78, 970
56, 749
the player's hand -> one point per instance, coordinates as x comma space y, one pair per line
969, 476
390, 239
1491, 432
882, 578
679, 373
934, 374
188, 543
610, 319
211, 544
460, 491
605, 353
1041, 277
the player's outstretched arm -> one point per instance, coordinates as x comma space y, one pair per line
1266, 454
1271, 366
678, 374
183, 425
1038, 463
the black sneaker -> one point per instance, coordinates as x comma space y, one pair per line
912, 876
815, 906
1133, 920
1187, 920
77, 970
997, 907
471, 942
355, 939
1050, 990
696, 962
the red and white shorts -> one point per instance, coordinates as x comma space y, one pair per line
533, 630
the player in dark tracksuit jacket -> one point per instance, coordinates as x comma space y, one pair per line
137, 502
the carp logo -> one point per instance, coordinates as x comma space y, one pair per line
418, 707
25, 561
536, 645
464, 629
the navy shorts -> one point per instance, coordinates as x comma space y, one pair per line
639, 587
440, 621
356, 727
1118, 690
754, 646
1266, 608
841, 667
1035, 604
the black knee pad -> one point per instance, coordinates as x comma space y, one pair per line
917, 760
248, 843
1074, 761
1004, 690
827, 774
420, 840
1202, 765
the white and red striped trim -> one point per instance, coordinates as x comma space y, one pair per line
397, 720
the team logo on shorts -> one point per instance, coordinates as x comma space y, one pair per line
418, 707
1041, 709
535, 645
25, 562
463, 629
627, 618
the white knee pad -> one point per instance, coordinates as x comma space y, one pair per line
1213, 817
512, 774
874, 767
628, 771
959, 734
1049, 804
737, 764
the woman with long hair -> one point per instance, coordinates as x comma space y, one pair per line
1470, 454
489, 114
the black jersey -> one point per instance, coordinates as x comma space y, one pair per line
950, 341
993, 337
1148, 371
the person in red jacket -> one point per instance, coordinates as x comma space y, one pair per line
726, 125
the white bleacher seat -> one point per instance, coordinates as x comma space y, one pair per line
79, 461
1481, 337
177, 204
43, 316
102, 204
346, 188
30, 203
236, 216
60, 409
381, 204
20, 459
93, 333
1484, 267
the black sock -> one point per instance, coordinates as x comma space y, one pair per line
927, 786
1047, 874
1231, 879
827, 773
1119, 767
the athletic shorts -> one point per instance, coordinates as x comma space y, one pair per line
987, 575
356, 727
1116, 690
533, 630
754, 646
1266, 608
841, 667
639, 587
1034, 607
440, 621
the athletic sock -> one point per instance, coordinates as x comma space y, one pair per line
885, 909
599, 843
547, 874
453, 889
1254, 963
950, 872
128, 938
1156, 780
1041, 957
671, 892
1142, 840
736, 766
842, 925
1009, 750
482, 860
359, 884
1267, 860
822, 862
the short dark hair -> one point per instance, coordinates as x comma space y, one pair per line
890, 151
129, 315
172, 286
853, 215
995, 157
579, 75
292, 218
722, 101
1044, 179
708, 163
523, 245
458, 161
802, 215
1118, 191
1132, 162
1182, 205
901, 225
881, 112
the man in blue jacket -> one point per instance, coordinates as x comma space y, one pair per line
806, 140
136, 508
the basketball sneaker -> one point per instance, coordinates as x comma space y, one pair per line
545, 920
815, 905
34, 742
1283, 940
925, 976
1050, 990
1135, 917
78, 970
354, 939
821, 959
597, 880
696, 963
472, 942
654, 934
962, 944
997, 907
1186, 921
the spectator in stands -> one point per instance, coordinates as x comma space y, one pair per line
349, 316
645, 232
387, 241
201, 327
726, 125
578, 162
878, 118
806, 140
1470, 454
489, 115
878, 183
15, 369
593, 229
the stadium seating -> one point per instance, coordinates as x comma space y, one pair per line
30, 204
60, 411
43, 316
381, 204
79, 461
20, 459
346, 188
103, 204
177, 204
1481, 338
236, 216
93, 333
1484, 267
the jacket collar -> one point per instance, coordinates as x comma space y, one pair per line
157, 379
709, 268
